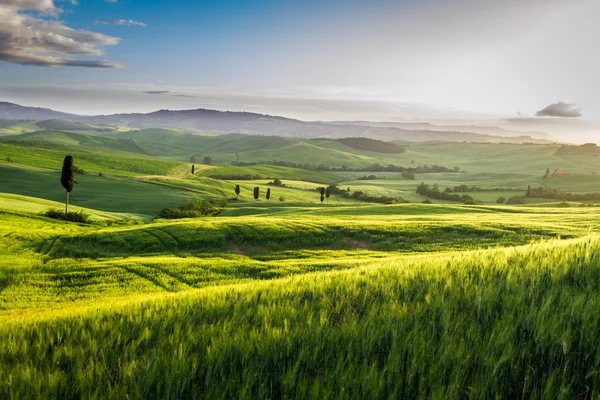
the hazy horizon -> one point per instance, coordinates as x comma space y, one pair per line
512, 64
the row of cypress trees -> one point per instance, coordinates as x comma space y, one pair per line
67, 180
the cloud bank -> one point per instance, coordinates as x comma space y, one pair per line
560, 109
28, 39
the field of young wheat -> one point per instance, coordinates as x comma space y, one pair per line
405, 301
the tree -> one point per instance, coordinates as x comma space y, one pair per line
528, 191
501, 200
322, 199
277, 182
237, 191
67, 179
268, 195
547, 173
193, 169
256, 192
322, 191
193, 159
207, 160
327, 194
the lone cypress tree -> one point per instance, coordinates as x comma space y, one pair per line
268, 196
193, 169
67, 179
237, 191
256, 192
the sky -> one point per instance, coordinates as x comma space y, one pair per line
516, 63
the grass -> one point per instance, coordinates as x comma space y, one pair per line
509, 323
293, 299
88, 161
270, 172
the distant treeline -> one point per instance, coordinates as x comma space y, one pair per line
547, 193
363, 196
467, 188
422, 169
59, 125
434, 192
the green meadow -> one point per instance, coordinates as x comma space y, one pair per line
292, 297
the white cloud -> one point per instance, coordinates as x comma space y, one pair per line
36, 40
128, 22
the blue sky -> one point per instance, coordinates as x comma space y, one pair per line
431, 60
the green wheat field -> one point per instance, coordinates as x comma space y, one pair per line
368, 294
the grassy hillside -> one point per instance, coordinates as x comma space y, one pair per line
81, 141
270, 306
14, 127
90, 162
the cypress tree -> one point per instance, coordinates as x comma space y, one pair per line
256, 192
322, 199
327, 194
193, 169
67, 179
268, 193
237, 191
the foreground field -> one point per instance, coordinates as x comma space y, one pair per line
405, 301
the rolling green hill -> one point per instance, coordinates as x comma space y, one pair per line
268, 306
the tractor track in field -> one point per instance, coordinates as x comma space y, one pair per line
170, 274
170, 235
159, 239
148, 278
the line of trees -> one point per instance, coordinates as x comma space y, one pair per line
467, 188
434, 192
422, 169
363, 196
548, 193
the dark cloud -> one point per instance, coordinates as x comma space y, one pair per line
37, 40
560, 109
168, 93
127, 22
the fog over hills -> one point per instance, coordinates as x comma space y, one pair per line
204, 120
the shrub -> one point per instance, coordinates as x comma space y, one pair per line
516, 200
281, 198
80, 216
408, 175
501, 200
426, 201
194, 209
8, 159
564, 204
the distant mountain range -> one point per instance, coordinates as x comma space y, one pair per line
203, 120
